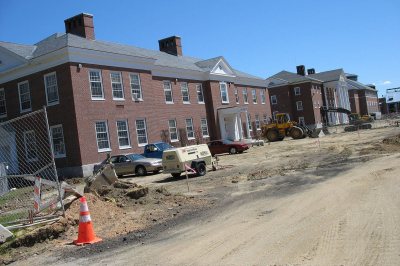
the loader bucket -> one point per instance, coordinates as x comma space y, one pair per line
314, 133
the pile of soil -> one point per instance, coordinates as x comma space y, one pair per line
394, 140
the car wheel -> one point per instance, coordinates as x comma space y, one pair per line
176, 175
232, 150
140, 170
201, 169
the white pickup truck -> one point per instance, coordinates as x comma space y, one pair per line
196, 157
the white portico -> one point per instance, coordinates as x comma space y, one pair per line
231, 124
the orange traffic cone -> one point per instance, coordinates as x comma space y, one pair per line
86, 233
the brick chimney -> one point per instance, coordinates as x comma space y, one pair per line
301, 70
171, 45
81, 25
311, 71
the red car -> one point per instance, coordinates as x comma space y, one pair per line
224, 146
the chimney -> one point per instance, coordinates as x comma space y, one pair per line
81, 25
171, 45
301, 70
310, 71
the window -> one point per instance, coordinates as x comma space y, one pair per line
245, 98
50, 83
173, 132
257, 122
3, 107
185, 92
236, 95
224, 92
249, 122
116, 85
301, 120
204, 127
30, 146
297, 91
103, 142
200, 96
262, 94
57, 138
189, 128
123, 134
96, 86
274, 100
254, 94
265, 118
136, 88
141, 132
299, 105
24, 96
168, 92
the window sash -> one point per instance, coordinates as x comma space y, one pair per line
57, 138
136, 86
96, 86
116, 85
245, 97
30, 146
50, 82
254, 93
236, 95
3, 106
274, 100
224, 92
103, 141
200, 95
299, 105
24, 96
141, 131
168, 92
173, 132
257, 118
204, 127
297, 91
189, 128
262, 93
185, 92
123, 134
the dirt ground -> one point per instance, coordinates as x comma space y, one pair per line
327, 201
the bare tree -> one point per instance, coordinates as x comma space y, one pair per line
183, 137
198, 135
164, 135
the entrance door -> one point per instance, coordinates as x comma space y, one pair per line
8, 151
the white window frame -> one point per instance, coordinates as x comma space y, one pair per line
97, 98
262, 95
145, 132
19, 96
204, 127
199, 90
108, 136
301, 118
237, 95
257, 122
120, 82
2, 90
265, 118
221, 84
171, 129
274, 99
55, 102
254, 95
58, 155
245, 96
34, 146
167, 82
299, 105
297, 91
189, 126
140, 97
185, 92
127, 134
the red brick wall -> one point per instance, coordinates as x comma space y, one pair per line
354, 101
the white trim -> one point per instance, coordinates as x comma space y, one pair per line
227, 93
245, 99
5, 103
19, 96
176, 131
128, 134
297, 106
46, 92
140, 86
63, 141
254, 94
108, 136
202, 93
120, 82
262, 96
101, 82
145, 130
201, 126
187, 133
170, 89
297, 92
276, 100
187, 90
221, 63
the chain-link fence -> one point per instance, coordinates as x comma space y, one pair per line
29, 187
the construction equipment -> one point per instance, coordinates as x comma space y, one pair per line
282, 127
356, 121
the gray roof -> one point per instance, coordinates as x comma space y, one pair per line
291, 77
358, 86
328, 75
58, 41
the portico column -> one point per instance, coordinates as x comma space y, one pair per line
247, 126
239, 122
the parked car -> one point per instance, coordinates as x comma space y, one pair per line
132, 164
155, 150
224, 146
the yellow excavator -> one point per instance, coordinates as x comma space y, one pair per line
282, 127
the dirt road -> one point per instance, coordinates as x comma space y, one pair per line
302, 206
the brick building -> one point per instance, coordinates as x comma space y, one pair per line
105, 97
363, 98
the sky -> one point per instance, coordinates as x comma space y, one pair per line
257, 37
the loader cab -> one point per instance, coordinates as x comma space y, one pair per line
282, 118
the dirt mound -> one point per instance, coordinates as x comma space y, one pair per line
394, 140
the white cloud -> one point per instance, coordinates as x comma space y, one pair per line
386, 82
